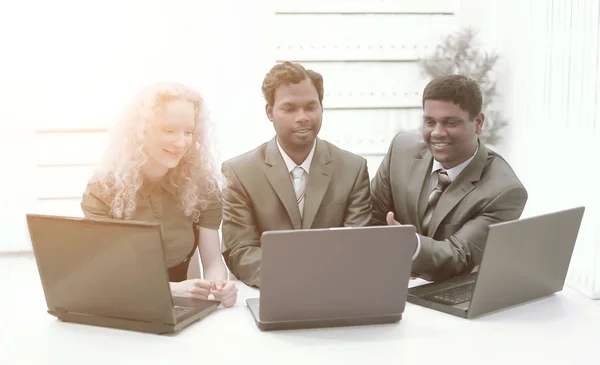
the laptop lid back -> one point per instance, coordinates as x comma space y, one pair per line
525, 260
106, 268
335, 273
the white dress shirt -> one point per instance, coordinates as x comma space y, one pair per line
290, 164
452, 173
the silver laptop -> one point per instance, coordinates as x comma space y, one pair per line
109, 273
523, 260
333, 277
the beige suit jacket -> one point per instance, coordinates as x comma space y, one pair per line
487, 191
260, 197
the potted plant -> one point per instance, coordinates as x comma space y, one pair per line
459, 54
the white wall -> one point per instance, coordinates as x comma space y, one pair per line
367, 52
17, 107
72, 66
550, 81
68, 67
75, 65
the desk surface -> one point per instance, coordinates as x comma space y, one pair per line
561, 329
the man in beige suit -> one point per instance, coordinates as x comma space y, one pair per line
446, 183
294, 181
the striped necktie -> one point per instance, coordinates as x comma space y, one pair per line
299, 180
434, 196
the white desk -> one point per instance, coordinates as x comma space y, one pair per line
562, 329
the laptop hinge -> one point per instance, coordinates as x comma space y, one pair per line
156, 324
60, 312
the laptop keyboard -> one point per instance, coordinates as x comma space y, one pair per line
453, 296
182, 311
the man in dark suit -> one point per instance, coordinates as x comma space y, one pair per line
293, 181
446, 183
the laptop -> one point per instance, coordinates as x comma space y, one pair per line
524, 260
333, 277
109, 273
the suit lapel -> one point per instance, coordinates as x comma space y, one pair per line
321, 171
458, 189
280, 180
419, 168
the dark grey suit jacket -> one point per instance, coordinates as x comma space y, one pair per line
487, 191
260, 197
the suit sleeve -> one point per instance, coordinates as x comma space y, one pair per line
358, 211
381, 192
463, 250
241, 239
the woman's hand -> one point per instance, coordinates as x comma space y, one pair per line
193, 288
225, 291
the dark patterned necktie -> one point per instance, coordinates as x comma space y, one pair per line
434, 196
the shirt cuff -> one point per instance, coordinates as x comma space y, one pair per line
418, 247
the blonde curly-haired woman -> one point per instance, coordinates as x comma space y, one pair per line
160, 166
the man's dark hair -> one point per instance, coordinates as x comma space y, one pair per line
459, 89
289, 73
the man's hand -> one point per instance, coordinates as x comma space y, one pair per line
193, 288
391, 221
226, 292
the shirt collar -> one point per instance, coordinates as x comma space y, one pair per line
456, 170
290, 164
148, 187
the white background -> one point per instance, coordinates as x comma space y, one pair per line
68, 67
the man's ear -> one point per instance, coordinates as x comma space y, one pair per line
479, 119
269, 111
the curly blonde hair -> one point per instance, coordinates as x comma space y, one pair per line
196, 177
